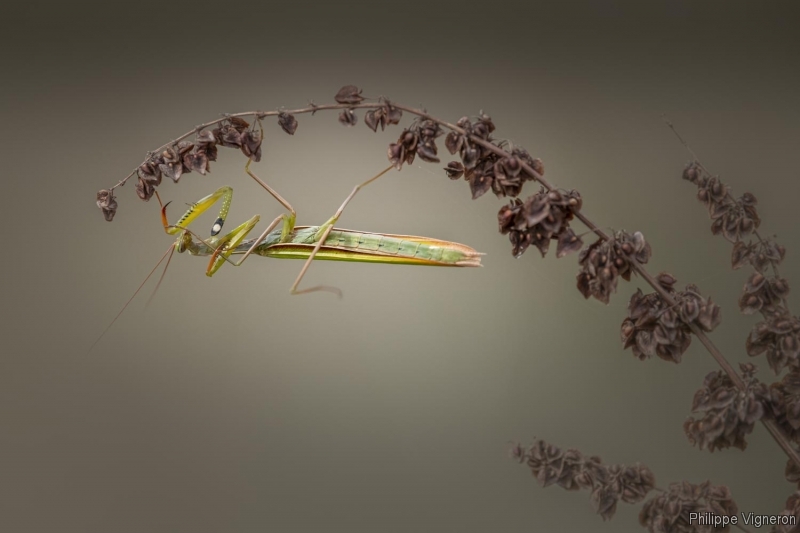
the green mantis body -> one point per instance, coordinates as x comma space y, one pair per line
358, 246
309, 242
302, 242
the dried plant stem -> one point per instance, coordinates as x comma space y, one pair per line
772, 428
702, 166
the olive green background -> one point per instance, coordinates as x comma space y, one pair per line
229, 405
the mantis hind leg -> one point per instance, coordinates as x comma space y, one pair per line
322, 235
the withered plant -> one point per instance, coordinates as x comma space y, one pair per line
729, 403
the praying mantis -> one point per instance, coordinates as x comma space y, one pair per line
324, 242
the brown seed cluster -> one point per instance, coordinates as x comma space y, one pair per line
541, 218
784, 408
184, 156
483, 168
572, 470
656, 328
734, 218
726, 414
670, 511
792, 510
760, 254
383, 116
763, 293
419, 139
605, 261
777, 335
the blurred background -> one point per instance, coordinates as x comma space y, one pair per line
229, 405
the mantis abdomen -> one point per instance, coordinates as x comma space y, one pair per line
358, 246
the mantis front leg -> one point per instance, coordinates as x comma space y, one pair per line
223, 247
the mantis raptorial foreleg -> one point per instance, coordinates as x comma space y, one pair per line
224, 246
322, 236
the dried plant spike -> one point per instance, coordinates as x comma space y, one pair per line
571, 470
672, 510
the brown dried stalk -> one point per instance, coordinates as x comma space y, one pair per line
668, 511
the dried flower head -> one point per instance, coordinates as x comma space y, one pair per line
571, 470
778, 335
760, 255
670, 511
654, 327
734, 218
728, 413
417, 139
762, 293
542, 217
784, 408
791, 516
603, 262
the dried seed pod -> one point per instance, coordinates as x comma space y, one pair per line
655, 328
763, 293
144, 189
453, 142
789, 517
393, 114
427, 151
349, 94
541, 218
571, 470
676, 509
107, 203
348, 117
372, 118
239, 124
728, 414
287, 122
251, 144
692, 172
196, 161
150, 171
205, 139
603, 262
397, 155
784, 409
172, 166
454, 170
779, 337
